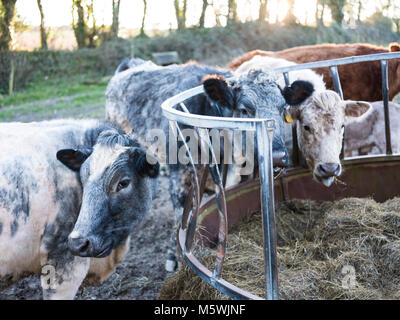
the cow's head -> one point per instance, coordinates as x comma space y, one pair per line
254, 95
117, 192
321, 121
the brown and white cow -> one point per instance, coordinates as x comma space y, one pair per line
368, 134
69, 219
321, 122
360, 81
321, 118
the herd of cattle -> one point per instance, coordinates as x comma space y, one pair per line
71, 191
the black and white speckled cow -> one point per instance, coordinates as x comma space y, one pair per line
72, 216
136, 91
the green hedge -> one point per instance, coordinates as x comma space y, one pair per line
36, 65
213, 45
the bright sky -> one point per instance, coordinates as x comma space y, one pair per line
161, 15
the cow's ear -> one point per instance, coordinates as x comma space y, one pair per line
73, 158
144, 163
356, 109
394, 47
218, 90
297, 92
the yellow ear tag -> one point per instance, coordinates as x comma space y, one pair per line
288, 117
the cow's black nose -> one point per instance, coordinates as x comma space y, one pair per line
80, 246
328, 169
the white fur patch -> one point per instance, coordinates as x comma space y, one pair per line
74, 235
103, 157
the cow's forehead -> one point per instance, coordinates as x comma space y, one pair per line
322, 118
103, 157
324, 108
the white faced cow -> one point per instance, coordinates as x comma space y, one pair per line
70, 218
321, 118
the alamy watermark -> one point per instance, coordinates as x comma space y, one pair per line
48, 277
349, 278
203, 146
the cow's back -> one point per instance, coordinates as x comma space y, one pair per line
360, 81
134, 97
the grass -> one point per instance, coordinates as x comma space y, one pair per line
78, 96
54, 88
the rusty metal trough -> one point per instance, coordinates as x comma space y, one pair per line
366, 176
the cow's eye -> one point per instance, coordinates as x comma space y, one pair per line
244, 111
307, 128
123, 184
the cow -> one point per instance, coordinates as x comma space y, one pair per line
360, 81
320, 118
368, 135
71, 191
133, 100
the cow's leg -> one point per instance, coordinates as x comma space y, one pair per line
62, 281
62, 272
178, 198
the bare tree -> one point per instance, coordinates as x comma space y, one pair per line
82, 15
43, 33
217, 13
180, 12
7, 12
203, 13
232, 12
92, 31
262, 11
115, 18
143, 19
319, 12
79, 23
290, 17
360, 8
336, 7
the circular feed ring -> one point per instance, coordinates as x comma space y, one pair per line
375, 176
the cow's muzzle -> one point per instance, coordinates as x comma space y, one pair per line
326, 172
82, 247
86, 247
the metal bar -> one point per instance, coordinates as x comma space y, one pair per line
188, 202
385, 94
336, 81
340, 61
338, 89
264, 144
224, 174
286, 77
205, 274
222, 211
295, 145
194, 213
195, 120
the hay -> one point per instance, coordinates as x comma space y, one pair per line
317, 245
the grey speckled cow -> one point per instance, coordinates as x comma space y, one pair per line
134, 97
56, 215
